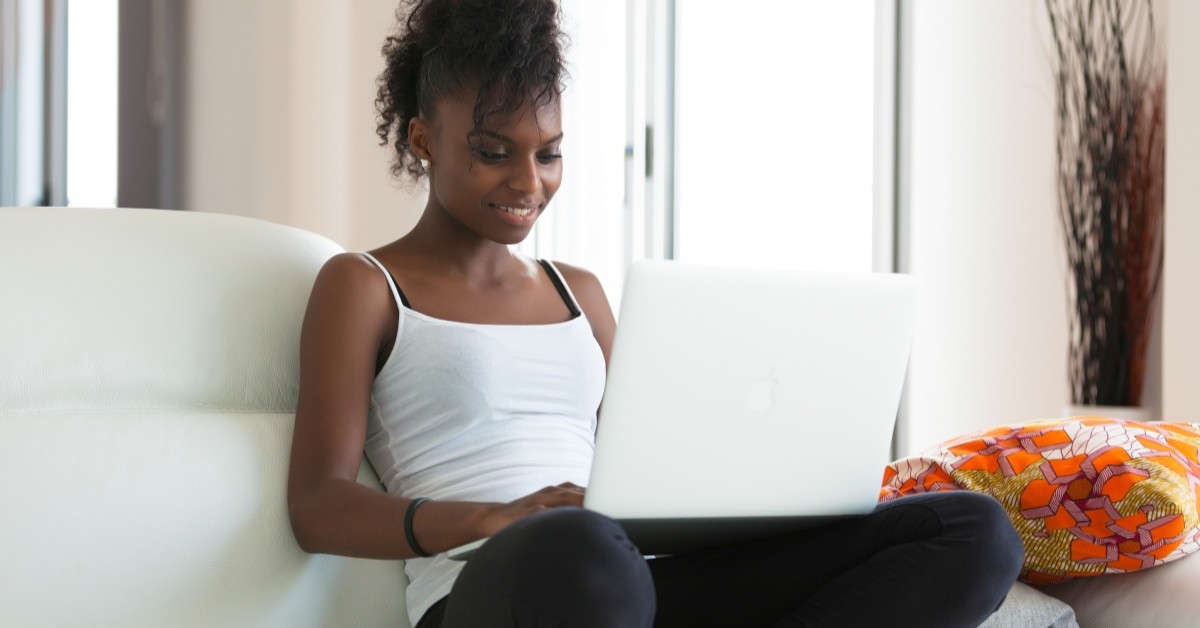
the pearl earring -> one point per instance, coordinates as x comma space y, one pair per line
425, 165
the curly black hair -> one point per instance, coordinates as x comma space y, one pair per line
511, 51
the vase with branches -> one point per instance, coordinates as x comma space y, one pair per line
1110, 144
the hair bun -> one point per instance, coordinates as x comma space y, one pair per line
510, 51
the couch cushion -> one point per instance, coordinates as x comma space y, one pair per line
1166, 596
168, 519
1026, 607
148, 379
1089, 496
125, 309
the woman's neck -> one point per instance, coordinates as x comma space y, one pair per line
442, 241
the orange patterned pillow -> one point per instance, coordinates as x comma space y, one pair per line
1088, 495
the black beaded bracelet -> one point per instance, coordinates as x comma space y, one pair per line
408, 527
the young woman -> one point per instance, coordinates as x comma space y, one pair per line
471, 376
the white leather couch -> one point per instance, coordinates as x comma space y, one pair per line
148, 379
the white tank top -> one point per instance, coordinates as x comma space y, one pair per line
486, 413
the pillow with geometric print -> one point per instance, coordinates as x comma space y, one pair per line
1088, 495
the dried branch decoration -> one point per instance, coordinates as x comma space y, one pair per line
1111, 148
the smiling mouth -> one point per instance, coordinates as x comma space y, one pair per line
516, 211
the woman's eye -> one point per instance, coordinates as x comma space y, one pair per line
549, 158
490, 156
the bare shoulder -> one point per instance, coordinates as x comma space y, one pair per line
573, 273
583, 283
354, 267
350, 292
590, 294
352, 275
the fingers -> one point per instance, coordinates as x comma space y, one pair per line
565, 494
559, 496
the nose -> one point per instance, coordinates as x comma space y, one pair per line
525, 176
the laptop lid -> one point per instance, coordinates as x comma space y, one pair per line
750, 393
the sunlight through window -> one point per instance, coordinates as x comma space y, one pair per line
92, 103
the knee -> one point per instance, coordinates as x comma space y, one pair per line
567, 553
566, 533
972, 528
982, 524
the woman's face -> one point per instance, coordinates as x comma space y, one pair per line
498, 187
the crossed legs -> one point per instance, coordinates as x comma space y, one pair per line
942, 559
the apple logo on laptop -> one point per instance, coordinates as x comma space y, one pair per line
760, 398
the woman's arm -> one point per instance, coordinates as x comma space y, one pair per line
350, 315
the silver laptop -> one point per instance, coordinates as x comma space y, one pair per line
745, 403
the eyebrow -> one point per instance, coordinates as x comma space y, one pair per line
509, 140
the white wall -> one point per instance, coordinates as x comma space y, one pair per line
1181, 292
280, 125
983, 233
279, 117
991, 342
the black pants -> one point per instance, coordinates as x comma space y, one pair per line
940, 559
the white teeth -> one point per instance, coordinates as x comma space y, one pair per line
517, 211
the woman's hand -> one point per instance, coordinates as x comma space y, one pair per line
499, 516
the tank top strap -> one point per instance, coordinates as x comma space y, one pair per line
560, 284
397, 293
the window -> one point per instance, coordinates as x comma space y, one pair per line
92, 103
586, 222
58, 102
745, 137
23, 123
775, 138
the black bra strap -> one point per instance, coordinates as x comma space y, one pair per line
562, 289
403, 299
554, 278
